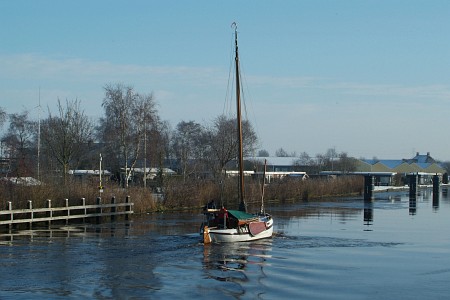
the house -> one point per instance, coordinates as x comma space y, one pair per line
276, 168
152, 173
24, 181
90, 176
275, 164
385, 169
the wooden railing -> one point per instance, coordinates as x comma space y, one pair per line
48, 214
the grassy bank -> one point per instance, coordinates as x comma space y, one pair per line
179, 194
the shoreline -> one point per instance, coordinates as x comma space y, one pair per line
391, 188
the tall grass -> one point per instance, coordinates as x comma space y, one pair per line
74, 191
303, 190
180, 194
196, 193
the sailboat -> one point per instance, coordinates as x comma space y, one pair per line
228, 226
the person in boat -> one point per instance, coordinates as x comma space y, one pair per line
211, 214
210, 205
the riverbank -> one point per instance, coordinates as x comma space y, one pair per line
182, 194
191, 194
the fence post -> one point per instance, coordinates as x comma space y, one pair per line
68, 210
83, 201
30, 207
98, 210
113, 208
128, 207
11, 216
50, 212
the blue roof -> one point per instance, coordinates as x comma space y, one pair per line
392, 163
423, 165
422, 158
423, 161
370, 161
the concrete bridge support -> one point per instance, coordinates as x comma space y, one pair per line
413, 185
435, 191
368, 187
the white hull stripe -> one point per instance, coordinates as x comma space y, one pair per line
212, 231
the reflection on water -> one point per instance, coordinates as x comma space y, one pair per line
237, 265
73, 231
412, 206
368, 214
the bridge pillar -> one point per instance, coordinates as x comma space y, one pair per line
413, 184
435, 190
368, 187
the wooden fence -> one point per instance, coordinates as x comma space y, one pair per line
48, 214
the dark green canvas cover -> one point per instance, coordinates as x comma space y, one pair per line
240, 215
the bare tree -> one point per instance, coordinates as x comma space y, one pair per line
128, 118
160, 146
330, 157
281, 153
19, 141
66, 134
187, 144
305, 160
263, 153
3, 116
222, 141
345, 163
321, 161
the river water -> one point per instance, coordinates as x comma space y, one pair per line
335, 249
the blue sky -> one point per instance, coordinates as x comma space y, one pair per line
370, 78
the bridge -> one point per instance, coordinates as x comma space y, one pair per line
413, 183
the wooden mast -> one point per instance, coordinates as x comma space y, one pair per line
263, 187
242, 205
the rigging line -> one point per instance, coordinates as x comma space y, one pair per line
246, 95
227, 105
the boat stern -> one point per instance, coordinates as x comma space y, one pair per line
206, 236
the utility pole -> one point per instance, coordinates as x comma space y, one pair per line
100, 186
39, 139
145, 151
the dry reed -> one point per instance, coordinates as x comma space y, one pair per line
180, 194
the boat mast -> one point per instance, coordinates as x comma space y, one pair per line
263, 187
242, 205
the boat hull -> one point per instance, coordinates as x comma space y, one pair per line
232, 235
